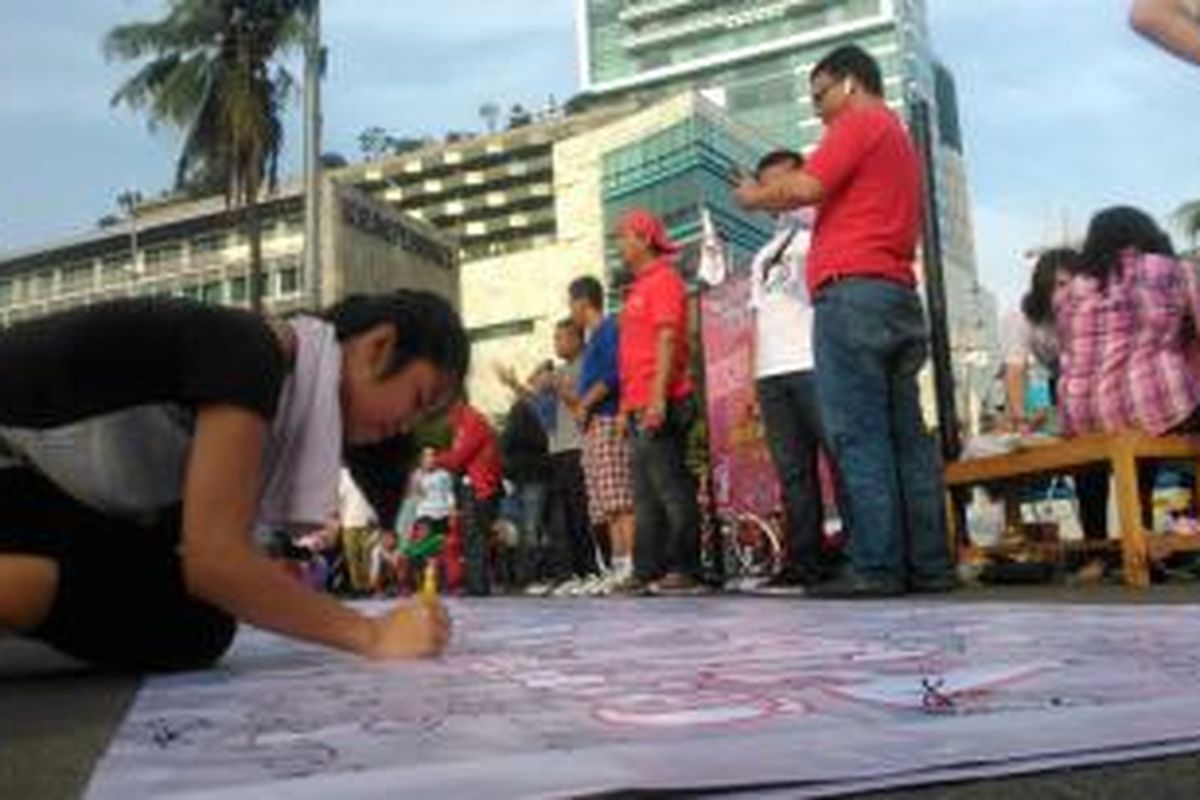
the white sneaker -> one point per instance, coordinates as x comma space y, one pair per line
538, 589
568, 588
597, 585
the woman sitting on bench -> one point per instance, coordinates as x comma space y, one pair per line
1127, 329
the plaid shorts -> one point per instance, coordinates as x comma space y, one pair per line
608, 470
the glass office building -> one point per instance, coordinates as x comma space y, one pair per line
753, 57
680, 170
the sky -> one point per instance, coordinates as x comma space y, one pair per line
1064, 109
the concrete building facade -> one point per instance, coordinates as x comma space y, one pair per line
535, 207
197, 250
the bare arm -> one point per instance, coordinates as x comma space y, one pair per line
222, 566
1171, 24
594, 397
795, 190
1014, 387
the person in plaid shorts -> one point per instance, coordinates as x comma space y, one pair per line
606, 451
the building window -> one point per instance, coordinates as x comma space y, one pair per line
209, 243
289, 281
212, 293
239, 289
190, 292
77, 278
115, 268
162, 255
6, 294
39, 285
264, 285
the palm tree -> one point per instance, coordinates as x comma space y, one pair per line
1187, 216
210, 71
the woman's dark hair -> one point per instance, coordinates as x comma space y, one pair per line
589, 290
776, 157
1038, 303
851, 61
426, 328
1115, 230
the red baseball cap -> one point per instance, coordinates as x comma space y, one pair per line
645, 225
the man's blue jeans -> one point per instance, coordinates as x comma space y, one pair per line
871, 342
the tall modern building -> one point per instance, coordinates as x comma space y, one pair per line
753, 58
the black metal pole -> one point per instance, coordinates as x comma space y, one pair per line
935, 285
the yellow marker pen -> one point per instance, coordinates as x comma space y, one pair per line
429, 586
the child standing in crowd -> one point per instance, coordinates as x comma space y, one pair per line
359, 532
786, 383
434, 491
607, 459
475, 457
143, 441
389, 568
659, 406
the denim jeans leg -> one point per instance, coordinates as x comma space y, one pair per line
788, 409
650, 523
665, 496
579, 525
853, 349
921, 484
479, 517
679, 491
533, 532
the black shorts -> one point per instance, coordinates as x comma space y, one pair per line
121, 601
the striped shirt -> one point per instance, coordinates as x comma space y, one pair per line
1129, 348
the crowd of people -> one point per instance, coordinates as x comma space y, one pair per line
146, 444
592, 472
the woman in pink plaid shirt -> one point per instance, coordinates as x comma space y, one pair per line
1127, 328
1127, 325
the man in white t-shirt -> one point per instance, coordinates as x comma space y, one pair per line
786, 382
1174, 24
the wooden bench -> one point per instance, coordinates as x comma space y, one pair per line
1121, 452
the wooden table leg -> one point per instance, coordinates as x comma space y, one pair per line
954, 537
1195, 510
1129, 508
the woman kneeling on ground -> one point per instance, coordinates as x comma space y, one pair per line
143, 442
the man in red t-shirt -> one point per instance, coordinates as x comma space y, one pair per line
657, 400
870, 336
475, 455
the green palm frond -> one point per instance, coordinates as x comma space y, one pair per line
210, 69
1187, 217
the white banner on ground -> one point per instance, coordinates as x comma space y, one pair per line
566, 698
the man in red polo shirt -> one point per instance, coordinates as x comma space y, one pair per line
474, 455
870, 335
657, 399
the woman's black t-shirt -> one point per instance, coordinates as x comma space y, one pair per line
102, 400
